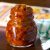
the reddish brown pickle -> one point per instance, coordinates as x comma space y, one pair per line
21, 30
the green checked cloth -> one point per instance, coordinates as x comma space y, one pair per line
43, 26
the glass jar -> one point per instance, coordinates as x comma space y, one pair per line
21, 29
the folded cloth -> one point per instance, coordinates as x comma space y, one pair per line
46, 45
5, 12
38, 12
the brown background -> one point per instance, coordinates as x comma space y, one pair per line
43, 3
3, 43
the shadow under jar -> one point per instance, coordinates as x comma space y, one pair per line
21, 29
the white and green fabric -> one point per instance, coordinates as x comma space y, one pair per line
43, 30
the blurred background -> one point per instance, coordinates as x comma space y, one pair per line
43, 3
41, 12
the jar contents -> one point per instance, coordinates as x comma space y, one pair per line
21, 29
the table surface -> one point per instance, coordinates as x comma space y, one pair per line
5, 46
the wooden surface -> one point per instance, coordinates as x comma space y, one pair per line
5, 46
42, 3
